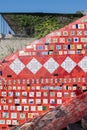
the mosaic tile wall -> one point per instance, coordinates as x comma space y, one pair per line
45, 74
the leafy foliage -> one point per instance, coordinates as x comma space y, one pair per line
39, 25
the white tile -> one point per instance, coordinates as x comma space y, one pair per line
68, 64
83, 64
51, 65
17, 66
34, 66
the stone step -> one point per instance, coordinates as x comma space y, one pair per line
84, 122
75, 126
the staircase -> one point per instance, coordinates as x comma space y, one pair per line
80, 125
61, 117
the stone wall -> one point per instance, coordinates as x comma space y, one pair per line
10, 45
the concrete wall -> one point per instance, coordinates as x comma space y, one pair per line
10, 45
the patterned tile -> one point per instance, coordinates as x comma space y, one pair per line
51, 65
68, 64
34, 66
83, 64
17, 66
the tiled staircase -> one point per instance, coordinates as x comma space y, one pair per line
61, 117
80, 125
